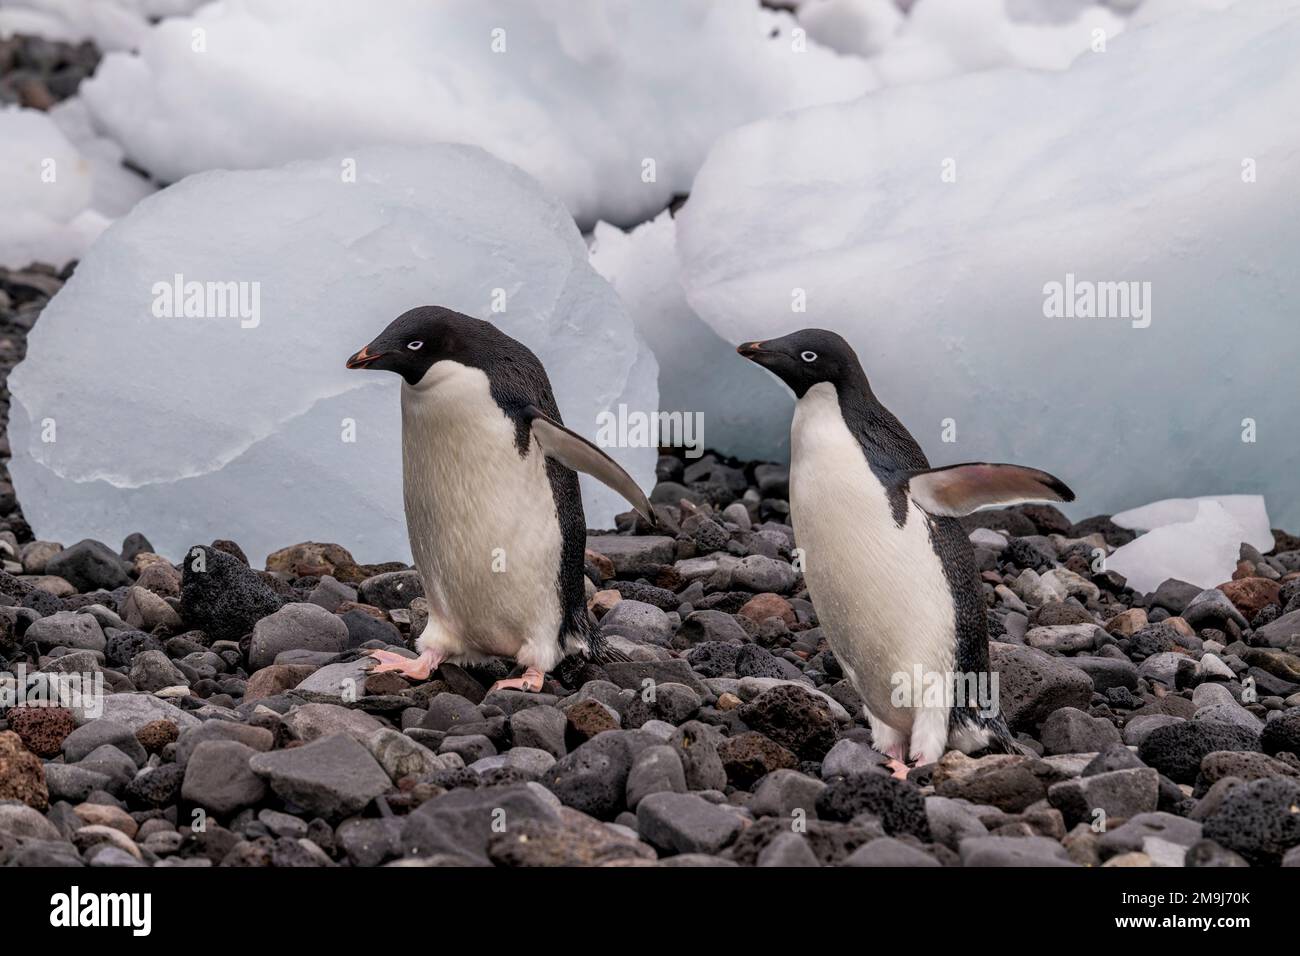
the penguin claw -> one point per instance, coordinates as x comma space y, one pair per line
899, 769
418, 669
531, 681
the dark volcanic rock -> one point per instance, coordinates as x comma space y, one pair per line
1032, 685
795, 718
1176, 750
221, 596
1259, 820
460, 824
1282, 734
750, 756
897, 803
593, 778
89, 565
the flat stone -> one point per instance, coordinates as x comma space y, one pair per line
685, 823
331, 777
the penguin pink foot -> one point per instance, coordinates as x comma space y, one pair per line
898, 768
416, 669
531, 681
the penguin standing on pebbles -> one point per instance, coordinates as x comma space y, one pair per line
492, 503
888, 566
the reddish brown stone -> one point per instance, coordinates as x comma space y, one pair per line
750, 756
1127, 623
22, 775
762, 606
603, 565
160, 578
276, 679
157, 734
588, 718
1251, 594
385, 683
603, 601
313, 559
42, 729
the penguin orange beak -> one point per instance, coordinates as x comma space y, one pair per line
365, 358
750, 350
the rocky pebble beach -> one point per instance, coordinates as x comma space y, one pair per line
239, 725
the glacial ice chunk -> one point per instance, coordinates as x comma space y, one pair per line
611, 105
938, 226
244, 423
699, 373
1201, 551
1247, 510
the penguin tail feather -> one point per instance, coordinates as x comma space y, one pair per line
604, 654
1001, 739
997, 735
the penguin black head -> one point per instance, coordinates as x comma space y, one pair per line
804, 358
417, 339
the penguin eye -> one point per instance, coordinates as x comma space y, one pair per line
808, 356
415, 346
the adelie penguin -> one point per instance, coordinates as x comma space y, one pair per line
888, 566
488, 475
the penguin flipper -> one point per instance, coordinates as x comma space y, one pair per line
573, 451
957, 490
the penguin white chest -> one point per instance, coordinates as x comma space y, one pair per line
879, 589
481, 518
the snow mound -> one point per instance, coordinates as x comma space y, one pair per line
1247, 510
859, 27
244, 423
699, 373
581, 95
1202, 551
45, 191
60, 185
940, 38
938, 228
111, 24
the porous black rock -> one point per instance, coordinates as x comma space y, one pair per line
222, 596
897, 803
1176, 750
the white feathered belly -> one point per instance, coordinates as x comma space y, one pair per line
481, 518
880, 591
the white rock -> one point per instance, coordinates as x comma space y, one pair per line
990, 539
1248, 511
698, 371
195, 428
940, 285
581, 95
1202, 551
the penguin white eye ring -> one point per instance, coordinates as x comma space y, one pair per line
808, 356
415, 346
